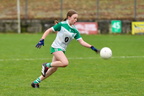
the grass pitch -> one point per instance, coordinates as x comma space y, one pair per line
87, 73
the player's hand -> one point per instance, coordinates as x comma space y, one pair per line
94, 49
98, 51
40, 43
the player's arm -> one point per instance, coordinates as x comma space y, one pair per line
41, 42
85, 44
46, 33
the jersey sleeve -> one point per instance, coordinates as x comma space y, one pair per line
57, 27
77, 36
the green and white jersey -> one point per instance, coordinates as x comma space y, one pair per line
65, 35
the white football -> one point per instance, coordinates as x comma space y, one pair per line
106, 53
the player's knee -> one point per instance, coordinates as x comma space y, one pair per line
65, 64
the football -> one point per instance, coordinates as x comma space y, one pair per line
106, 53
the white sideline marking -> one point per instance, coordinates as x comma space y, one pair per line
31, 59
128, 57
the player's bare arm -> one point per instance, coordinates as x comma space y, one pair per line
83, 43
46, 33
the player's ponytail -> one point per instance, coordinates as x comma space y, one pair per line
65, 19
56, 22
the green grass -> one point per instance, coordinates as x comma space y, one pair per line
86, 75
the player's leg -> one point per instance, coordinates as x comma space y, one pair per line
59, 60
50, 70
35, 84
62, 60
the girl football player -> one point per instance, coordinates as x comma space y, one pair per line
66, 31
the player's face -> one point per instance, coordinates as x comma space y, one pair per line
73, 19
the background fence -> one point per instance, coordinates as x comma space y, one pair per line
37, 15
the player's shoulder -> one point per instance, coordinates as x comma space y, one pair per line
74, 27
63, 22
